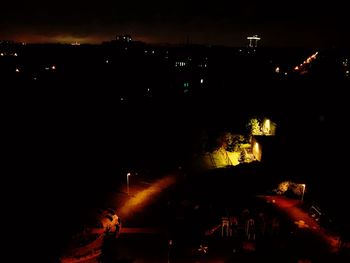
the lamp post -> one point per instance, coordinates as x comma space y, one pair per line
127, 182
170, 244
302, 194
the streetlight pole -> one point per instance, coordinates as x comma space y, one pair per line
170, 244
302, 194
127, 182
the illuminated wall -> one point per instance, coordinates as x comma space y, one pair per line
257, 149
268, 127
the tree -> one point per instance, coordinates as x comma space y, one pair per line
254, 127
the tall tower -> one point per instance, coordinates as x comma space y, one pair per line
253, 41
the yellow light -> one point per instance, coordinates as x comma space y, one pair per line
267, 126
256, 146
296, 68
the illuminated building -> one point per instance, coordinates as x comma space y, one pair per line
253, 41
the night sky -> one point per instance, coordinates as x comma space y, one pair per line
280, 23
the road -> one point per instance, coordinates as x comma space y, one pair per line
304, 223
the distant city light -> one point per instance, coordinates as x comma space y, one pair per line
15, 54
180, 64
202, 80
53, 67
1, 54
306, 61
17, 70
107, 61
253, 41
277, 70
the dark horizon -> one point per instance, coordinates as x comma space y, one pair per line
297, 23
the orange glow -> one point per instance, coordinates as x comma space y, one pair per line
145, 197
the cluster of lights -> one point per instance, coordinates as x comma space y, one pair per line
306, 62
150, 51
278, 71
14, 54
180, 64
346, 66
48, 68
53, 68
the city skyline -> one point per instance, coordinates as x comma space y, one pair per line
296, 23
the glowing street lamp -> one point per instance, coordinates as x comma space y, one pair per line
127, 182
